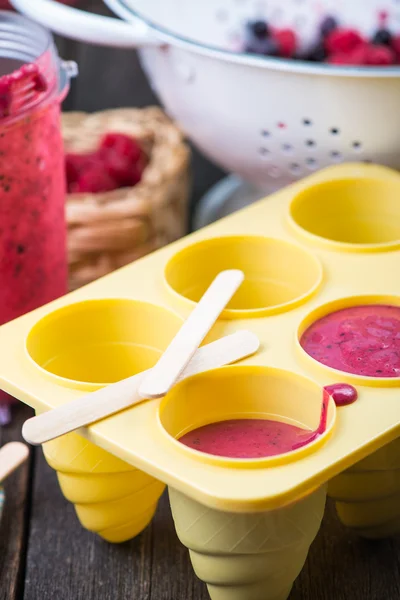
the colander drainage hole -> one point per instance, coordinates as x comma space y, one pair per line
310, 143
334, 130
311, 163
295, 169
357, 146
307, 122
287, 148
265, 133
264, 152
336, 156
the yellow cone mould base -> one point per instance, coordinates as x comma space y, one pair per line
328, 242
111, 497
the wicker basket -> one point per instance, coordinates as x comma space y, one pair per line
109, 230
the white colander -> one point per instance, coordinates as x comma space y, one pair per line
271, 121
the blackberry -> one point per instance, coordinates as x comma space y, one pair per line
259, 29
317, 53
328, 25
265, 47
382, 37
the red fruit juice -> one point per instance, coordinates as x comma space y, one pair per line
33, 265
247, 438
362, 340
261, 438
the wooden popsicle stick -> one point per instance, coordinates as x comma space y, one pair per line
178, 354
124, 394
12, 455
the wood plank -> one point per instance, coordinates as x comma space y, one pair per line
342, 566
13, 525
66, 562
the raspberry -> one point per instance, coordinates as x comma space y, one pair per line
380, 56
137, 171
75, 164
357, 57
118, 162
122, 145
395, 44
94, 180
287, 42
343, 40
118, 167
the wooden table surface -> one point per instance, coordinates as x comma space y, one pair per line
44, 552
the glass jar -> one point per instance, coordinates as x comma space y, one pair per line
33, 83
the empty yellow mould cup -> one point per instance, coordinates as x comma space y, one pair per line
329, 308
85, 346
244, 392
350, 214
368, 494
278, 275
253, 556
93, 343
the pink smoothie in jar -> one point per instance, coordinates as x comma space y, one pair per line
5, 4
362, 340
33, 266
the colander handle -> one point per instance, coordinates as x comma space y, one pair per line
86, 27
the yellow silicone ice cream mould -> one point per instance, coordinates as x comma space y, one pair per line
327, 242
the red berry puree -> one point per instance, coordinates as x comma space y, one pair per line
245, 438
362, 340
261, 438
33, 268
33, 265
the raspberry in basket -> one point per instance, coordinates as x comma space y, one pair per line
118, 162
107, 230
122, 145
94, 180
